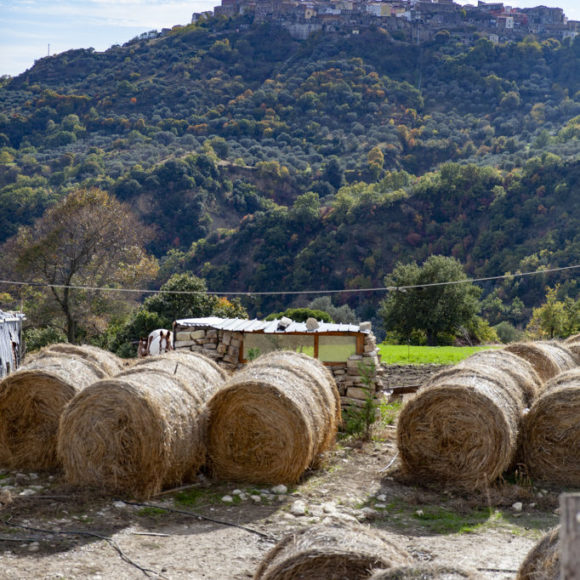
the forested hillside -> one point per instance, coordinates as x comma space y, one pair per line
267, 163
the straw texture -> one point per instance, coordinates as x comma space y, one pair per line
202, 375
31, 402
272, 419
425, 572
517, 368
547, 358
461, 428
110, 363
135, 433
543, 560
330, 553
551, 432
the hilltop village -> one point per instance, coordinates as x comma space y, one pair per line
405, 20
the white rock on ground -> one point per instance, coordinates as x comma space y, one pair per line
298, 508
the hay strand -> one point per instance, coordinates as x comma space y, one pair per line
272, 419
543, 560
425, 572
547, 358
330, 553
108, 361
31, 402
519, 369
135, 434
461, 428
551, 432
202, 375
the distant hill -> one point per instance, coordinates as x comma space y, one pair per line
266, 162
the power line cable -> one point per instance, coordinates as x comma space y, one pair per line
291, 292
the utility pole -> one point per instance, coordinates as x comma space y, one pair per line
570, 536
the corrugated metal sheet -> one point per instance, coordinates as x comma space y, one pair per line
268, 327
10, 348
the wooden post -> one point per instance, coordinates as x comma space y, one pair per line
570, 536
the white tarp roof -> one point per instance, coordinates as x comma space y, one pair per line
266, 326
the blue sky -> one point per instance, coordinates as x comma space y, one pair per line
28, 27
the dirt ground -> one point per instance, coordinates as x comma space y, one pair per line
217, 530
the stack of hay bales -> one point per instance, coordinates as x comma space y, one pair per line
462, 426
31, 402
141, 430
551, 432
547, 358
273, 419
543, 560
330, 553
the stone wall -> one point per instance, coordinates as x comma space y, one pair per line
224, 346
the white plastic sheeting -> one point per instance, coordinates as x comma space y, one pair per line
10, 346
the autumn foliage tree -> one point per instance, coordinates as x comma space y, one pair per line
86, 242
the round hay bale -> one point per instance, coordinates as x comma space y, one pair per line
31, 402
547, 358
574, 348
543, 560
107, 360
330, 553
461, 428
551, 432
425, 572
572, 339
272, 419
515, 366
135, 433
202, 375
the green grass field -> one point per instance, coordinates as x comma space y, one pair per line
403, 354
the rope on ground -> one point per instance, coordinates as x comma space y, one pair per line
148, 572
202, 517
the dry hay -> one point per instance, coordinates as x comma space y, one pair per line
547, 358
461, 428
202, 375
135, 433
574, 348
543, 560
551, 432
515, 366
330, 553
31, 402
110, 363
272, 419
572, 339
425, 572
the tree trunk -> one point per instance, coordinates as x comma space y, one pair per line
431, 338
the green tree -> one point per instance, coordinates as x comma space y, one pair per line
339, 314
182, 296
87, 241
301, 315
430, 305
550, 319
